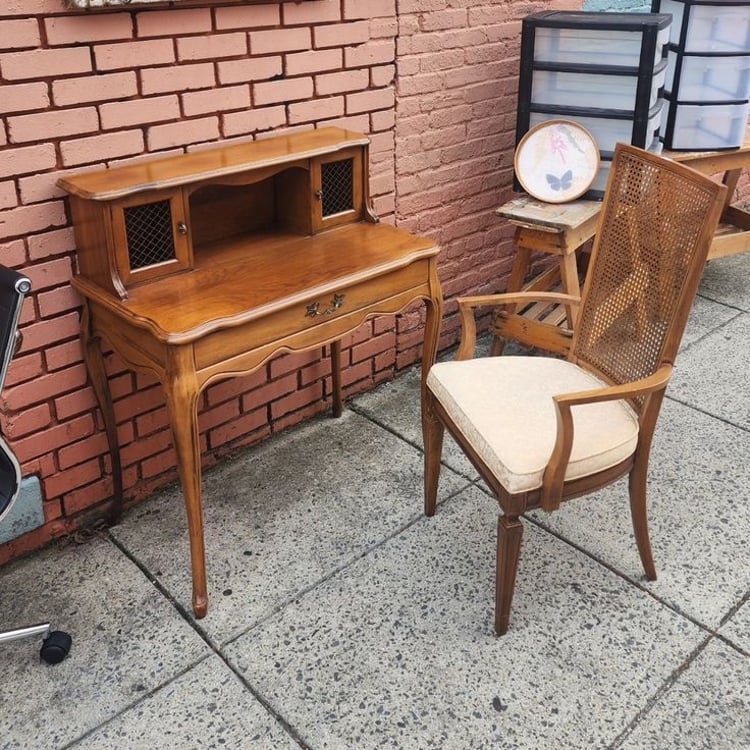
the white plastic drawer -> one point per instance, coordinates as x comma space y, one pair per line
711, 28
707, 126
594, 46
607, 131
709, 79
590, 89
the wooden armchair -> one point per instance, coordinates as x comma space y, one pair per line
541, 430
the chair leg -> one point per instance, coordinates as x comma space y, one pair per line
497, 347
509, 533
639, 514
432, 436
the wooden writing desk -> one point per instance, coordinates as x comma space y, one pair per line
203, 266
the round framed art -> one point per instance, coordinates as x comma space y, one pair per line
557, 161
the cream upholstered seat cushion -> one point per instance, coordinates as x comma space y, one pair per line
503, 406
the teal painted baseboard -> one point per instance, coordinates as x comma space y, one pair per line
26, 514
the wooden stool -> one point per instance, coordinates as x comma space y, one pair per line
558, 229
733, 233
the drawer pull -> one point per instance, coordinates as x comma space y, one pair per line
313, 309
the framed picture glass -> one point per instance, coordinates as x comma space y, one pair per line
557, 161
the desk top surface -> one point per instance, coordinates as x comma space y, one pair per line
261, 275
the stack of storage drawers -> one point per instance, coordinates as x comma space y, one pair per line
708, 74
605, 71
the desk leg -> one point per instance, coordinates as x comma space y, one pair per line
432, 427
433, 320
92, 354
338, 401
181, 389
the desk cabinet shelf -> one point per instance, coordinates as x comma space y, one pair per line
149, 233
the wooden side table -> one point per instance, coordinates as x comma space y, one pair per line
558, 229
733, 234
561, 229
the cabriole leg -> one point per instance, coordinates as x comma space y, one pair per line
182, 402
639, 514
432, 436
92, 354
337, 397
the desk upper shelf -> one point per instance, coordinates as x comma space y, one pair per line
212, 163
157, 219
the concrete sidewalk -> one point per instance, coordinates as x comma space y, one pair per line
342, 619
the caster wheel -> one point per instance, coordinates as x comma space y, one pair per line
55, 647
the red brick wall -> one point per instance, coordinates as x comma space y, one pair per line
456, 91
88, 90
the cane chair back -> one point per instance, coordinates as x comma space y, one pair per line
644, 269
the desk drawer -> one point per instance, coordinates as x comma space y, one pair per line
309, 313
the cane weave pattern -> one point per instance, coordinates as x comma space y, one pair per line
647, 244
149, 231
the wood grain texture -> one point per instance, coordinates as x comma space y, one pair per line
259, 270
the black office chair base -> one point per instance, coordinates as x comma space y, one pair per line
55, 646
13, 288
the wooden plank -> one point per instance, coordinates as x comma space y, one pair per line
532, 333
552, 217
731, 242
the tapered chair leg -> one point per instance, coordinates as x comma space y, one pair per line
639, 514
509, 534
432, 436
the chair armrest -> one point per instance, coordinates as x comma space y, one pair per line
633, 389
467, 305
554, 474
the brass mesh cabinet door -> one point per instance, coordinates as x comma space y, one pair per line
151, 237
148, 228
337, 189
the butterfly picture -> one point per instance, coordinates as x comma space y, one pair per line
560, 183
556, 161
